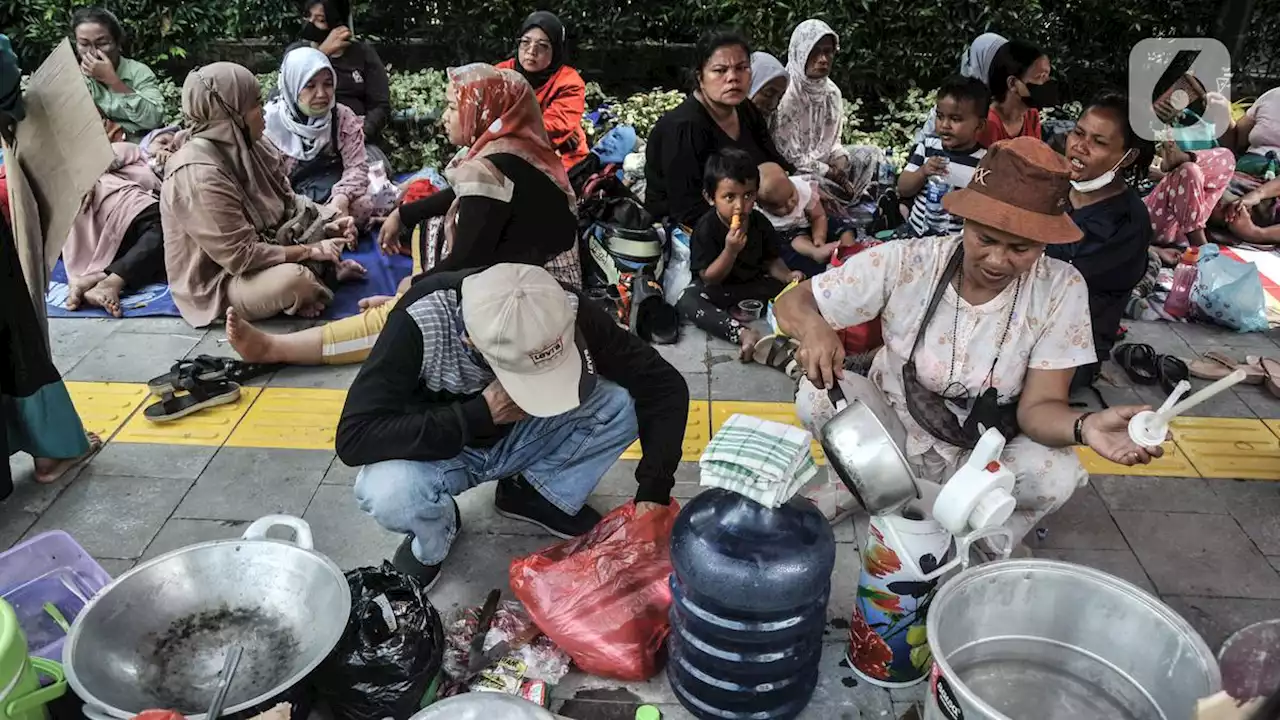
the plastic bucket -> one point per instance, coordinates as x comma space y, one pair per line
21, 696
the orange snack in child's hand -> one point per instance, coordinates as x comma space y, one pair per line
736, 222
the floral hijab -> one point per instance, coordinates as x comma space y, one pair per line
808, 122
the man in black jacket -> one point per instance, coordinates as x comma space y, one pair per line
503, 374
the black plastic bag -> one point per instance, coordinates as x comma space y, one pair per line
390, 651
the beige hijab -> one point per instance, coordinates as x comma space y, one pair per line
214, 101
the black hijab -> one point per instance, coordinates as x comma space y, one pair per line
551, 25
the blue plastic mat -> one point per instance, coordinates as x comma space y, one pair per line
384, 275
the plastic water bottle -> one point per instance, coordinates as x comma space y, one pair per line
1178, 303
1273, 164
935, 216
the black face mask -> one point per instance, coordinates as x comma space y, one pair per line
312, 34
1042, 96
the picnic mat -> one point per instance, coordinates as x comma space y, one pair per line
385, 273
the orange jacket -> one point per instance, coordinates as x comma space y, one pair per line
563, 101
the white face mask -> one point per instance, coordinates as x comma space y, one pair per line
1103, 180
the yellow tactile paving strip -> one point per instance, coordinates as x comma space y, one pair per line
209, 427
296, 418
306, 419
104, 407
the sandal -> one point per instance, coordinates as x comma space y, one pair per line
207, 368
778, 352
1171, 371
199, 396
1271, 370
1215, 366
1139, 362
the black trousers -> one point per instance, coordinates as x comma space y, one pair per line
140, 259
707, 306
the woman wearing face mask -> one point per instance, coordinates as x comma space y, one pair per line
1020, 86
980, 329
126, 92
561, 93
1107, 160
810, 118
769, 82
321, 140
362, 83
229, 215
714, 116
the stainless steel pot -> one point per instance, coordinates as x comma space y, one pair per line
863, 444
157, 636
1056, 641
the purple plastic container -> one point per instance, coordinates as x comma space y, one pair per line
48, 568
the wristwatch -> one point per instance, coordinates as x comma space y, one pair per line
1079, 428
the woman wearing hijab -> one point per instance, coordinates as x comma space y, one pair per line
982, 330
125, 91
810, 118
116, 241
509, 201
976, 64
235, 235
561, 93
768, 83
36, 414
362, 82
322, 141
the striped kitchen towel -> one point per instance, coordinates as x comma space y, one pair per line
763, 460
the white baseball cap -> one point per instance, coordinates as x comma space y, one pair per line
520, 319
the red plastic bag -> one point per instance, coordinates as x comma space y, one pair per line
867, 336
603, 597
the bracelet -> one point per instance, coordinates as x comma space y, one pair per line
1078, 432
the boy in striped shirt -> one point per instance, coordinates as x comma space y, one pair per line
952, 155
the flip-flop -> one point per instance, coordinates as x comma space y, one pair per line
1216, 366
86, 457
777, 352
1139, 362
199, 396
207, 368
1271, 370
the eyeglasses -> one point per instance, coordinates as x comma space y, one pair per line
102, 45
538, 46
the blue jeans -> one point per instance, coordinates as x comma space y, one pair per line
564, 457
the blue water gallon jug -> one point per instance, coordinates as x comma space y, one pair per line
749, 604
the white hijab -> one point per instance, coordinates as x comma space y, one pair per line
765, 68
807, 124
292, 131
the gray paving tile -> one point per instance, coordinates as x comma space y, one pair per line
1200, 555
178, 533
733, 380
180, 462
1225, 404
133, 357
248, 483
1244, 490
67, 363
1082, 524
699, 385
1124, 492
73, 338
116, 567
1257, 399
29, 495
158, 326
689, 355
14, 524
621, 480
1204, 336
113, 516
1164, 341
1113, 395
1260, 520
1216, 618
1121, 563
1275, 562
350, 537
340, 473
478, 563
335, 377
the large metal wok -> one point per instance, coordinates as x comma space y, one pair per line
157, 636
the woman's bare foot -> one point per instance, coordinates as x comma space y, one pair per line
748, 339
253, 345
50, 470
106, 295
374, 301
349, 270
79, 286
311, 311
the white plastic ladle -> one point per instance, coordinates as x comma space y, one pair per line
1149, 429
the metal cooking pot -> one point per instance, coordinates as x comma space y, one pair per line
157, 636
863, 444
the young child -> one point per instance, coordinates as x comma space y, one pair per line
953, 155
794, 207
157, 146
733, 251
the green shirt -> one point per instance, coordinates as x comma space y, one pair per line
139, 112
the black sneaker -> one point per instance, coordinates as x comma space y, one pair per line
406, 562
517, 499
